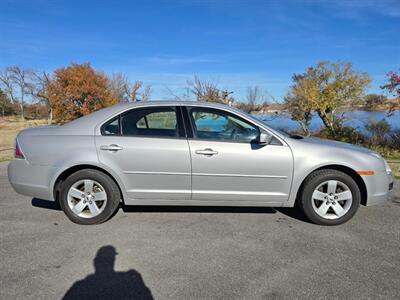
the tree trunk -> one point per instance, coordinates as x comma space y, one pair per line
327, 123
50, 118
21, 105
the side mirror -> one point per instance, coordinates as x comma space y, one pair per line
264, 138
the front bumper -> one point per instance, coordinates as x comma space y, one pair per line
31, 180
378, 187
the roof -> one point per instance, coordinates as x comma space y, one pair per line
85, 125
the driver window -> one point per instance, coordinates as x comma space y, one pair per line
212, 124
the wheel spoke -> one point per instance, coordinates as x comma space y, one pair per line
93, 208
317, 195
79, 207
323, 209
338, 209
332, 185
99, 196
74, 192
346, 195
88, 186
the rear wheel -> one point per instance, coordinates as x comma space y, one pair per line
89, 197
330, 197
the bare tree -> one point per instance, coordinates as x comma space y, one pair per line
255, 100
118, 86
5, 103
133, 91
125, 91
146, 93
253, 95
208, 91
39, 91
16, 82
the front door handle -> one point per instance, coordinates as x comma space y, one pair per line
112, 147
207, 152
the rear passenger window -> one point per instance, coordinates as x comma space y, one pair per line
111, 127
157, 121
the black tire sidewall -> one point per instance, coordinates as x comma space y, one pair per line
111, 189
316, 179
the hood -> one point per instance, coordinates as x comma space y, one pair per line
335, 144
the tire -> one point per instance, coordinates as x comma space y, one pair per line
324, 207
85, 190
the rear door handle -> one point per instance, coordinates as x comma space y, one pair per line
112, 147
207, 152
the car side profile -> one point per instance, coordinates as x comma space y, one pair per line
192, 153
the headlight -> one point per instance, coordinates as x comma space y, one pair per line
377, 155
387, 167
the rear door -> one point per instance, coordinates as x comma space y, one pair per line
149, 150
227, 163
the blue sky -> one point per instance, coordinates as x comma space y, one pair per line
236, 43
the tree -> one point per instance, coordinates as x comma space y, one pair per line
208, 91
16, 84
255, 100
5, 103
393, 86
125, 91
78, 90
373, 101
326, 87
40, 92
378, 130
117, 86
299, 108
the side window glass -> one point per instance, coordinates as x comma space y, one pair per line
111, 127
157, 121
219, 125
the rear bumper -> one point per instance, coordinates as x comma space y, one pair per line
29, 180
378, 186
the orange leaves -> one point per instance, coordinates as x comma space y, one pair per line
78, 90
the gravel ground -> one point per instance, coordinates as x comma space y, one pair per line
192, 253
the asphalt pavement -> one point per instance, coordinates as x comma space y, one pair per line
196, 253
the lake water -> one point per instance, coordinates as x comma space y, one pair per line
355, 119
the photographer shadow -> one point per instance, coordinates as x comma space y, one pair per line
106, 283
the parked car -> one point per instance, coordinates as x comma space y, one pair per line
192, 153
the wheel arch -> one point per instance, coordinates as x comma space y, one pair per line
347, 170
72, 169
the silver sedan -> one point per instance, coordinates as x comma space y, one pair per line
192, 153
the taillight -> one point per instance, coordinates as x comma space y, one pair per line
18, 153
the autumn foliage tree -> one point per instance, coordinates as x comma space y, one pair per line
324, 89
392, 86
78, 90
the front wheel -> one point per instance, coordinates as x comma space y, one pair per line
89, 197
330, 197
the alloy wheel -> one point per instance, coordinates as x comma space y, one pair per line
87, 198
332, 199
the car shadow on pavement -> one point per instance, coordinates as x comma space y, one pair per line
54, 205
288, 211
106, 283
198, 209
292, 212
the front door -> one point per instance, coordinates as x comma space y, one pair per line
147, 148
228, 165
